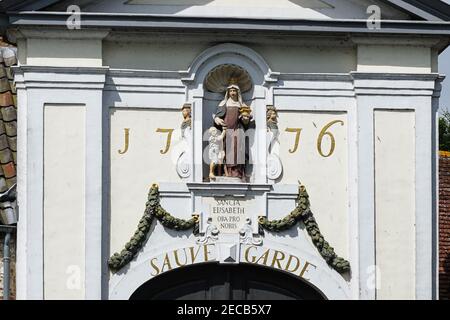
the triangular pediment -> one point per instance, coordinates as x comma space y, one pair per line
265, 9
274, 9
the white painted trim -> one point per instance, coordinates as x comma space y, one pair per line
22, 279
145, 89
435, 174
34, 197
393, 76
367, 101
396, 40
135, 73
421, 104
31, 252
60, 34
366, 196
353, 191
259, 149
186, 36
197, 125
39, 70
213, 53
313, 93
94, 209
228, 187
424, 201
83, 78
337, 77
388, 92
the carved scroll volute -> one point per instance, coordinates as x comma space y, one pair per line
274, 165
184, 169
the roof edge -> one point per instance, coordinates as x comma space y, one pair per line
421, 9
429, 10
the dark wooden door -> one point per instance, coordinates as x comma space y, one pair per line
230, 282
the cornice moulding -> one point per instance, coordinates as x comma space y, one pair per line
393, 92
394, 76
60, 77
199, 36
265, 26
61, 70
143, 73
420, 40
24, 32
316, 76
228, 187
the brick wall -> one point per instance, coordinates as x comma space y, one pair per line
444, 226
13, 268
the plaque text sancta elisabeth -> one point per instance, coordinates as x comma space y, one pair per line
228, 214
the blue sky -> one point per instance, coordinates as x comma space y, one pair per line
444, 68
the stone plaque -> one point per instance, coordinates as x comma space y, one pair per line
228, 213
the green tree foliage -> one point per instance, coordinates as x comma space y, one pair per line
444, 132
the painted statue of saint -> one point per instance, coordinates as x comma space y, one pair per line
234, 116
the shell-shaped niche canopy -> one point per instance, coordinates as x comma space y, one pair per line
219, 78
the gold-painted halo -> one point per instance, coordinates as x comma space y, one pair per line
218, 79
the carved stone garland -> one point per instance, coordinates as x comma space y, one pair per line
154, 210
302, 213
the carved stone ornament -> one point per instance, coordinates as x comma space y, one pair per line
218, 78
211, 234
274, 165
246, 234
153, 210
229, 253
183, 166
187, 117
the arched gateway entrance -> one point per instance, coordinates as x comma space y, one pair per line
226, 282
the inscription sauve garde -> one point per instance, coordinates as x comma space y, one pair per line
182, 257
250, 254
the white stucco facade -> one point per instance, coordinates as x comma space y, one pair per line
371, 179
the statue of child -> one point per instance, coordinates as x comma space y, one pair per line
216, 151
